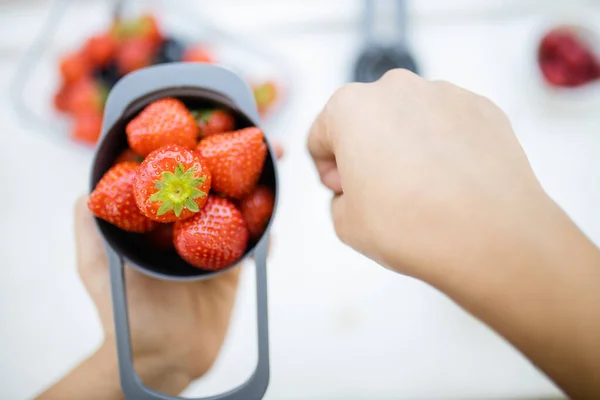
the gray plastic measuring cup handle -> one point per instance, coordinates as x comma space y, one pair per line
133, 388
130, 88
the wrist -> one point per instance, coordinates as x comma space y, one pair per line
541, 295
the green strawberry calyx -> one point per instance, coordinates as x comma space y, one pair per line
178, 190
202, 115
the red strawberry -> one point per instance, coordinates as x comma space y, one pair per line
171, 184
212, 122
86, 96
61, 99
161, 237
265, 95
197, 53
144, 27
87, 127
555, 72
100, 49
73, 67
148, 28
129, 155
256, 209
235, 160
112, 200
163, 122
133, 54
214, 238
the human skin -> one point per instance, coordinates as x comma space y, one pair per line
177, 328
429, 180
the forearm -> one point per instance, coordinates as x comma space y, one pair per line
546, 302
97, 378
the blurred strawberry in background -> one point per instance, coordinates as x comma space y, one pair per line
100, 49
87, 127
88, 73
86, 95
566, 60
197, 53
73, 67
133, 54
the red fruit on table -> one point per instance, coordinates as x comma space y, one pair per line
101, 49
257, 209
61, 99
86, 96
163, 122
211, 122
149, 29
565, 59
112, 200
129, 155
133, 54
161, 237
556, 73
197, 53
87, 127
143, 27
214, 238
596, 70
235, 160
172, 184
73, 67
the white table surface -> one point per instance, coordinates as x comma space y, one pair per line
341, 328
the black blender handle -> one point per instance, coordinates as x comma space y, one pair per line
133, 388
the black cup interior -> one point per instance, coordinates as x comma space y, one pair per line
134, 247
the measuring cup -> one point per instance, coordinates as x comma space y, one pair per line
197, 85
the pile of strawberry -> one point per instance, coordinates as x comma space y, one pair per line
566, 60
88, 73
188, 181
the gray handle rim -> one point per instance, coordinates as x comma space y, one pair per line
133, 388
165, 76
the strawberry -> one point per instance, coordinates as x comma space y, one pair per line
73, 67
197, 53
128, 155
211, 122
172, 183
161, 237
133, 54
163, 122
235, 160
148, 28
556, 73
214, 238
86, 96
100, 49
61, 99
87, 127
144, 27
565, 59
112, 200
256, 209
265, 95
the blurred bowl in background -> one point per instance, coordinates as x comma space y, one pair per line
69, 24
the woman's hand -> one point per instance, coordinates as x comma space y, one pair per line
426, 176
429, 180
177, 328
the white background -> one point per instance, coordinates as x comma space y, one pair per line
341, 328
